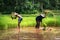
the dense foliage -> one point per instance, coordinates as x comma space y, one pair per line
28, 6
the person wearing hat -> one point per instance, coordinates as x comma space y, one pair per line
39, 19
16, 15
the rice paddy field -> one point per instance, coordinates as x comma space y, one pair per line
28, 21
30, 33
8, 26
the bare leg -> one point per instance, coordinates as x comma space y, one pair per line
18, 27
37, 26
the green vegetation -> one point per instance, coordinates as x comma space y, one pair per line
28, 21
28, 6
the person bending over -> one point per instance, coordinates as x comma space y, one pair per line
16, 15
39, 19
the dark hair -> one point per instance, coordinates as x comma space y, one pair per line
16, 11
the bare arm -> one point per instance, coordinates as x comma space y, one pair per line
13, 16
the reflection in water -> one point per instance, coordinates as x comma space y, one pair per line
26, 34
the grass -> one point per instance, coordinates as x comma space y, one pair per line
6, 22
28, 21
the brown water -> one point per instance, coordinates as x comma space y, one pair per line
30, 33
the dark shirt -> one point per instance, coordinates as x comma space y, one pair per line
39, 18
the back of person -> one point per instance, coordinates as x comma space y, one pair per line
40, 17
16, 15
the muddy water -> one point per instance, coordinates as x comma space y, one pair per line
30, 34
